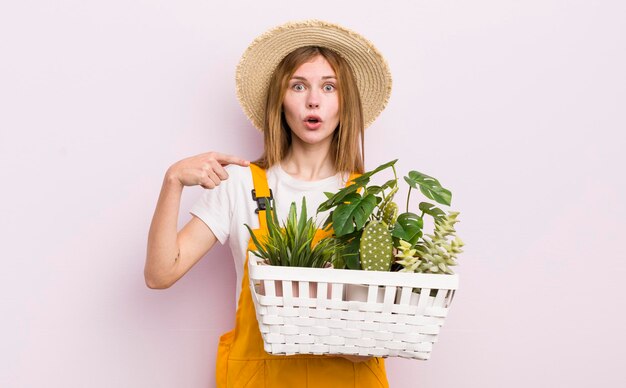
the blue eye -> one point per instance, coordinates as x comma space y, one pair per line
298, 87
329, 87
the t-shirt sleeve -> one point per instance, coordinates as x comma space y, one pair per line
215, 210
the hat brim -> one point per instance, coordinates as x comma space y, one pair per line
261, 58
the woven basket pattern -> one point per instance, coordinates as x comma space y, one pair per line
331, 311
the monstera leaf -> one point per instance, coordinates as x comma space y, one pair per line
353, 213
408, 227
429, 186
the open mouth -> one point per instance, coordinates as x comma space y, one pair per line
312, 119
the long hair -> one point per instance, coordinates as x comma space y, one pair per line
347, 155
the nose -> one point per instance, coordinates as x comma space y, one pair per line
313, 100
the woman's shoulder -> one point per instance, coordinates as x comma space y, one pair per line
238, 175
236, 169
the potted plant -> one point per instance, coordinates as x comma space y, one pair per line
303, 310
296, 243
365, 219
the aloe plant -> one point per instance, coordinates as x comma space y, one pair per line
292, 244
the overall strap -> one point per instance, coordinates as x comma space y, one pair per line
261, 190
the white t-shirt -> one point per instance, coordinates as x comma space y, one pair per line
226, 208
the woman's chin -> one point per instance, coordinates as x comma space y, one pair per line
315, 138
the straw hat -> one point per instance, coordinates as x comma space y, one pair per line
264, 54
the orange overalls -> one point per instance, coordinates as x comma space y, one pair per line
242, 361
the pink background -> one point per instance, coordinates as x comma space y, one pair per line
517, 107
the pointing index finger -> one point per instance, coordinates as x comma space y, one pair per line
225, 159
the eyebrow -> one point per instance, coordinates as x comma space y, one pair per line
304, 79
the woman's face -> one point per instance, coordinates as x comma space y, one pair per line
311, 102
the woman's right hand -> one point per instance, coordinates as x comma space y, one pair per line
170, 253
206, 170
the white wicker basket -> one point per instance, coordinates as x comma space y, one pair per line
338, 311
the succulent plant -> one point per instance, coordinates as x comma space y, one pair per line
434, 254
407, 257
376, 247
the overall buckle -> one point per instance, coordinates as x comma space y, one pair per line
261, 204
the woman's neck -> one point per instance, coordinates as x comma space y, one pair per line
308, 164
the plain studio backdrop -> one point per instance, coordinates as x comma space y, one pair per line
516, 106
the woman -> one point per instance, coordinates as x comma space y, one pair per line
311, 87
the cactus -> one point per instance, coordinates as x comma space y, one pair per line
390, 214
376, 247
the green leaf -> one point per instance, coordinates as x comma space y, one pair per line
328, 221
303, 219
389, 197
365, 177
353, 260
290, 245
271, 218
359, 182
257, 243
408, 227
338, 262
432, 210
354, 213
390, 184
429, 186
351, 252
337, 198
374, 190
